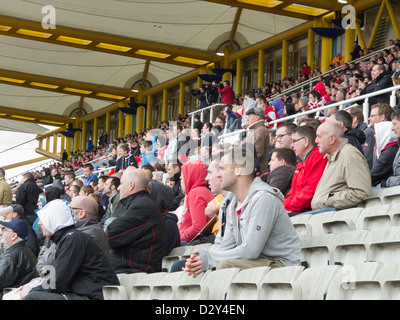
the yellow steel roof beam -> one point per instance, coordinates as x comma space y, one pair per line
39, 82
108, 43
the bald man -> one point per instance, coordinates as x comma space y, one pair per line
85, 209
138, 237
346, 180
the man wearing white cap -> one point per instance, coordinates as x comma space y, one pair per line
80, 269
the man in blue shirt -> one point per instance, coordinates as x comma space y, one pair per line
88, 172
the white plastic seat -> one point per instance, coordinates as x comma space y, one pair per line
123, 291
317, 251
317, 220
165, 289
246, 284
213, 287
394, 213
178, 253
385, 246
390, 195
279, 284
314, 282
342, 221
377, 217
301, 225
141, 290
350, 248
356, 282
189, 288
389, 277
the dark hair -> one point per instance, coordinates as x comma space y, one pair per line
307, 131
345, 117
286, 154
396, 115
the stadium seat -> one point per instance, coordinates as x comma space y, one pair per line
178, 253
389, 277
342, 221
317, 251
316, 222
279, 284
189, 288
314, 282
141, 290
350, 247
123, 291
301, 225
374, 218
394, 213
356, 282
390, 195
384, 245
246, 284
165, 289
213, 287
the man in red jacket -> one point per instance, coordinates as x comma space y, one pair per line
227, 94
308, 173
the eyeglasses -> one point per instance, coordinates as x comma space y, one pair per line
373, 115
76, 208
280, 136
294, 141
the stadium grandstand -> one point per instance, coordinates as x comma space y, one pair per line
148, 101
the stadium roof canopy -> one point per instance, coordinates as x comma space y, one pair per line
101, 49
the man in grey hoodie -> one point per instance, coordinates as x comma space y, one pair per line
258, 231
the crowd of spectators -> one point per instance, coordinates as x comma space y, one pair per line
71, 228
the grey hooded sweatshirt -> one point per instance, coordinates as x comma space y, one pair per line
263, 230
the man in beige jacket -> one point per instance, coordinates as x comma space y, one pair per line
258, 136
5, 190
346, 180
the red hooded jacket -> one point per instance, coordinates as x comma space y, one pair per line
197, 197
305, 181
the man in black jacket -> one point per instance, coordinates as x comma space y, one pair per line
80, 269
138, 237
17, 263
27, 196
381, 80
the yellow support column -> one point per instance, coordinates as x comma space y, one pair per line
310, 49
376, 26
140, 114
227, 54
202, 70
68, 146
239, 76
77, 134
41, 144
55, 142
108, 122
393, 18
84, 135
181, 98
164, 113
285, 59
261, 68
47, 143
149, 119
95, 131
360, 35
62, 147
349, 38
121, 120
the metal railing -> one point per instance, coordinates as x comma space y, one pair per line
235, 136
308, 83
203, 111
